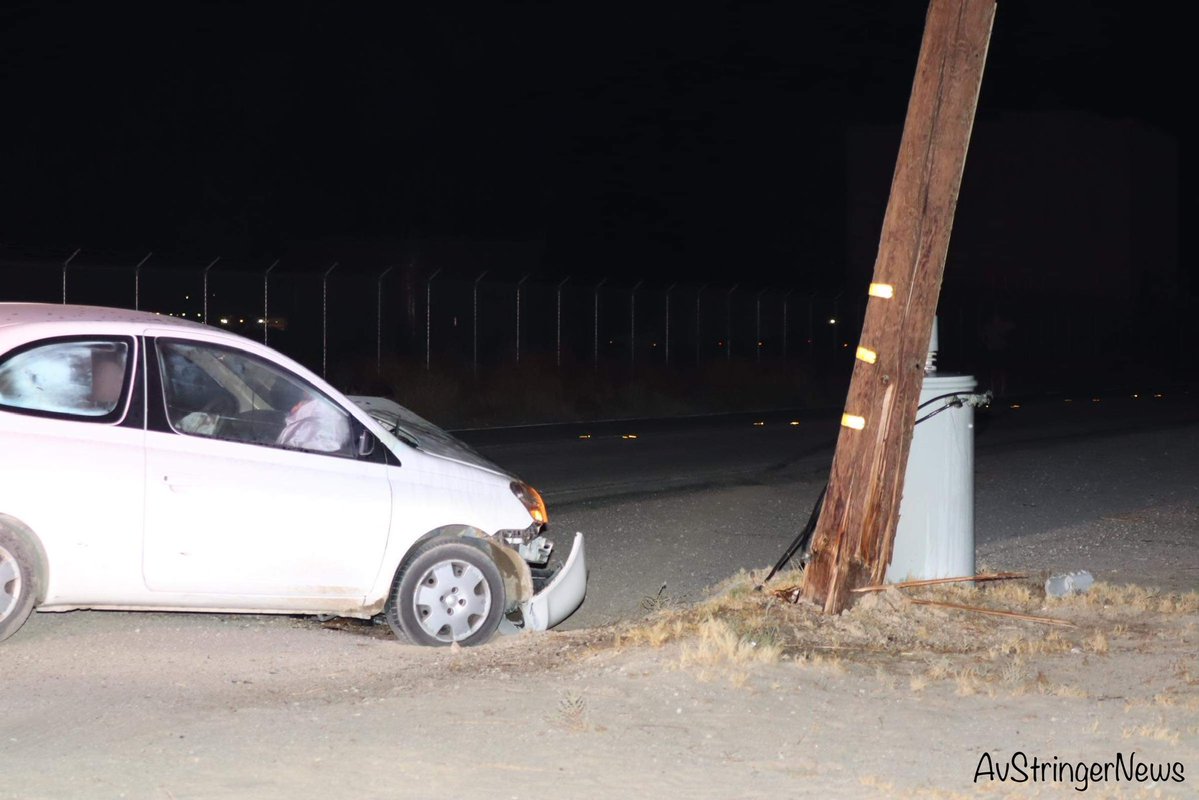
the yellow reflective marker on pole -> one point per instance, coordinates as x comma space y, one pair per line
883, 290
867, 355
853, 421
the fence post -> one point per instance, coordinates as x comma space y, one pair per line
728, 323
595, 329
379, 321
558, 323
785, 297
474, 299
698, 293
211, 264
325, 317
65, 264
811, 323
429, 318
519, 283
137, 281
633, 324
266, 298
758, 326
835, 320
667, 341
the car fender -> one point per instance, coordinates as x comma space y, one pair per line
518, 579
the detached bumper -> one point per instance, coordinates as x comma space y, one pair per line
562, 595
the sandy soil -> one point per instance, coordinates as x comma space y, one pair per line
740, 696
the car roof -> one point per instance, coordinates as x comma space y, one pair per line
34, 313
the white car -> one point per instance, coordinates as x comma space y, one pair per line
151, 463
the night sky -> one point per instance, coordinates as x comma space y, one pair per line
656, 138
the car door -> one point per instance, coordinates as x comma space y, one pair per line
72, 467
254, 488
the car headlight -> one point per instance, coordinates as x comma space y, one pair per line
530, 498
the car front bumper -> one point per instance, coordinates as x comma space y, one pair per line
563, 593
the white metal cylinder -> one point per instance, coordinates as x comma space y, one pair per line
935, 537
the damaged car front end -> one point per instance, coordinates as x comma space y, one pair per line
541, 591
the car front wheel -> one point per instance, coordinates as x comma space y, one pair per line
450, 592
18, 582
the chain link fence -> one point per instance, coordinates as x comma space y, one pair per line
348, 323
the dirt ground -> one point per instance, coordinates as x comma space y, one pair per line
742, 695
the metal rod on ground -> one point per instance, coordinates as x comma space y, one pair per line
266, 301
558, 323
379, 321
66, 264
519, 284
325, 318
211, 264
595, 323
666, 342
474, 299
429, 318
137, 281
633, 324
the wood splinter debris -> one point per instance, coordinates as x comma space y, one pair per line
990, 576
995, 612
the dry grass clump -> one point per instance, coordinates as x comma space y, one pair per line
739, 627
1156, 733
717, 643
1131, 597
572, 711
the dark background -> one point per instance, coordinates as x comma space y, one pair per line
731, 143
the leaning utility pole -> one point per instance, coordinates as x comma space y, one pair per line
854, 535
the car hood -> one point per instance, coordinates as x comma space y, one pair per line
416, 431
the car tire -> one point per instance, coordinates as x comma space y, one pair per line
19, 581
450, 592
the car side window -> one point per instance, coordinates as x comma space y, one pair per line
77, 378
227, 394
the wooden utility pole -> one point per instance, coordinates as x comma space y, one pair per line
856, 530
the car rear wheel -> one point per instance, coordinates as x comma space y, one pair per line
450, 592
18, 582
